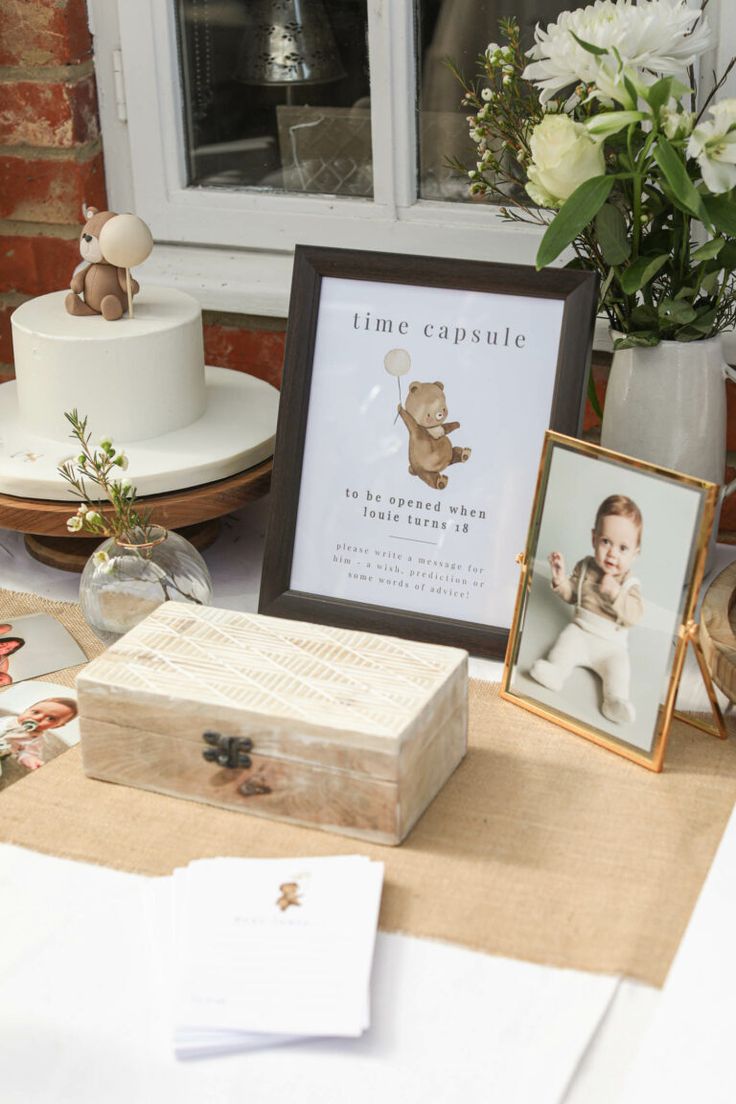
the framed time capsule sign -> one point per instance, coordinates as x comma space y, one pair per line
415, 396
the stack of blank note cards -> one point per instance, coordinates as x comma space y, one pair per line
266, 951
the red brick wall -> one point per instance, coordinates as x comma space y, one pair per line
51, 163
50, 152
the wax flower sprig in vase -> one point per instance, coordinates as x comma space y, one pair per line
114, 513
599, 134
140, 564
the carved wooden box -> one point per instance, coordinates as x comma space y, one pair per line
330, 728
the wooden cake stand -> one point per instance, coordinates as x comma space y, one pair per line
718, 631
194, 512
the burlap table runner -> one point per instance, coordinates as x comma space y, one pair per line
540, 847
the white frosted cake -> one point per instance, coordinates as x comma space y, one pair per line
140, 381
134, 379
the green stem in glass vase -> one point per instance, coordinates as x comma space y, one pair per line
144, 550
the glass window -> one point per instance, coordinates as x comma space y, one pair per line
459, 30
276, 95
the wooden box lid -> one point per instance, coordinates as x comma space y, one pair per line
199, 667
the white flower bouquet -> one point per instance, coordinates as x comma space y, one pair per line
597, 133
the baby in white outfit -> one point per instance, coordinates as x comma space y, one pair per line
607, 602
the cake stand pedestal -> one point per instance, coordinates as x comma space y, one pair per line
193, 512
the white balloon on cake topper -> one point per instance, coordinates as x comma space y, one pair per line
397, 362
125, 240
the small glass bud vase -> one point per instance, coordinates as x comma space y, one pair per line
123, 582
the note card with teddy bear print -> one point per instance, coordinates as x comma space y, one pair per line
416, 395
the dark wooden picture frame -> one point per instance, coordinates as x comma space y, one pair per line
577, 292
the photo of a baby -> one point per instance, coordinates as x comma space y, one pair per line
610, 559
38, 721
607, 600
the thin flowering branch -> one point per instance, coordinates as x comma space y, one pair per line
113, 513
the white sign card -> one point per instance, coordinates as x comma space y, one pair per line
427, 408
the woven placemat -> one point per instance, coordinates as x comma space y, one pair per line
541, 846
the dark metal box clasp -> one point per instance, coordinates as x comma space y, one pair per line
228, 751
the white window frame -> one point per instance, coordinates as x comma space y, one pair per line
233, 248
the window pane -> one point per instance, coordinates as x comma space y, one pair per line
459, 30
276, 94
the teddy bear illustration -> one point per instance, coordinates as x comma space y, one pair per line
430, 448
102, 284
289, 895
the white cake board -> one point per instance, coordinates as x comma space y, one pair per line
236, 431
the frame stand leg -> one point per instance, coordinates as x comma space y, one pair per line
720, 730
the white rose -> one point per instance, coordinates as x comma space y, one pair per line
713, 145
563, 158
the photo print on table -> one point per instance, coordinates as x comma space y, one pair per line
415, 393
34, 645
38, 721
613, 564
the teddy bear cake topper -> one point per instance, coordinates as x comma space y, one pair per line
110, 245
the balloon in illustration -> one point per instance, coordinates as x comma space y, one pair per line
397, 362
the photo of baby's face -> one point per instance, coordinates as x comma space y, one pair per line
46, 714
615, 544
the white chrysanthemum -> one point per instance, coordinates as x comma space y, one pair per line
713, 145
664, 36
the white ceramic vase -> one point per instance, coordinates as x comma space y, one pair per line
667, 405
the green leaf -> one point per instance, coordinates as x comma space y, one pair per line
722, 210
676, 310
659, 93
727, 256
597, 50
709, 250
574, 215
704, 323
641, 272
608, 123
709, 283
685, 292
610, 230
688, 333
637, 340
644, 317
631, 88
683, 189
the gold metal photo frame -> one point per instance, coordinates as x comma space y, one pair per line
603, 658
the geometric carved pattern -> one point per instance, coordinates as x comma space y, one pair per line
339, 678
